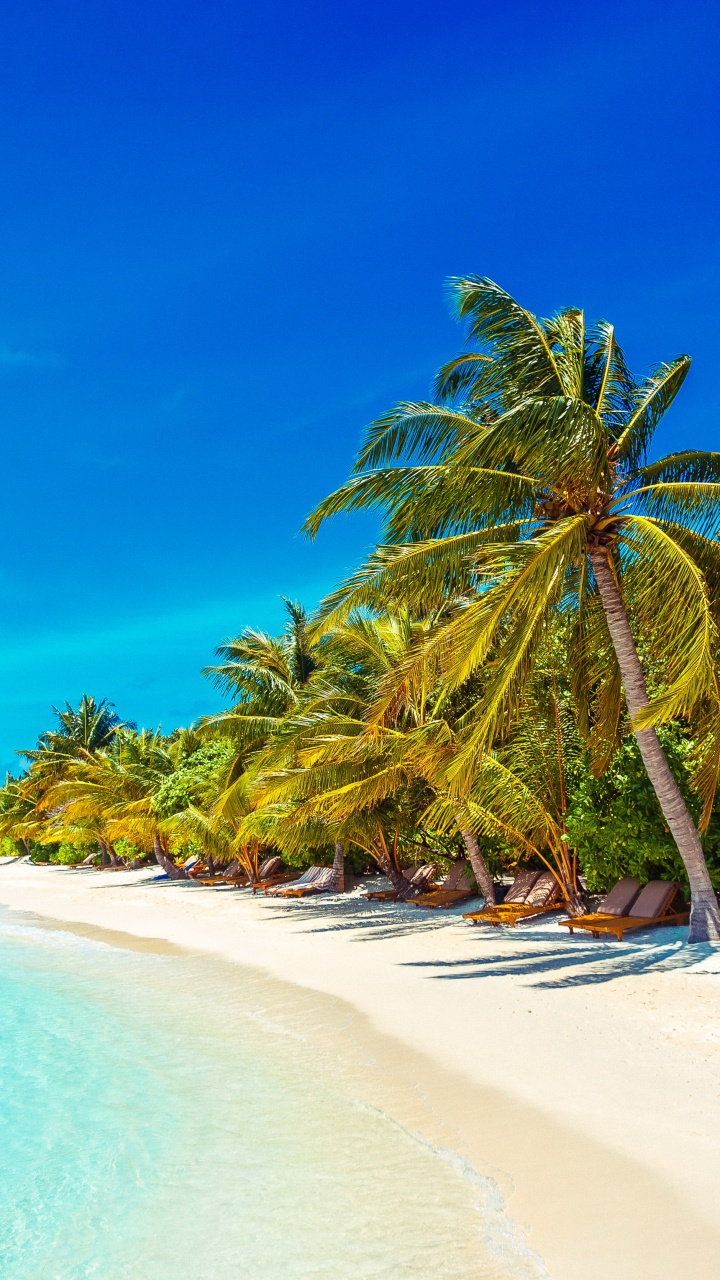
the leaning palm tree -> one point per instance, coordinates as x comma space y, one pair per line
20, 817
528, 485
521, 791
117, 789
331, 745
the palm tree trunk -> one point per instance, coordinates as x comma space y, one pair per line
393, 873
478, 864
171, 871
337, 882
704, 914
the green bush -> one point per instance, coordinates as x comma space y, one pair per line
617, 826
193, 779
70, 855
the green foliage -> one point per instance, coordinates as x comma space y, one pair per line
616, 823
195, 778
70, 855
127, 850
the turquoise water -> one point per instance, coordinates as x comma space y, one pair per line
157, 1123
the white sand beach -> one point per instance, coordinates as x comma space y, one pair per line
583, 1076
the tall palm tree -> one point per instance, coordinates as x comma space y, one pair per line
528, 484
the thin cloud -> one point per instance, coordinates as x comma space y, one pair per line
29, 360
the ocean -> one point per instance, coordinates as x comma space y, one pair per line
166, 1116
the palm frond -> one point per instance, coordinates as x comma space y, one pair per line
419, 430
691, 465
513, 335
652, 400
691, 502
429, 501
678, 624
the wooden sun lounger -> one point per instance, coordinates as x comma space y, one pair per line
420, 878
314, 880
271, 882
455, 888
531, 894
240, 879
658, 903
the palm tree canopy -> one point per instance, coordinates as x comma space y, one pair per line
88, 727
264, 675
534, 456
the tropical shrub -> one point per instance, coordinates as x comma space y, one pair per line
617, 825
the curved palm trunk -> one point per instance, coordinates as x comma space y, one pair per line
704, 915
251, 864
566, 873
478, 864
171, 871
337, 882
394, 874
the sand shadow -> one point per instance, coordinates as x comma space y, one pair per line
575, 963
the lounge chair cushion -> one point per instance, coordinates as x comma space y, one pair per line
543, 892
314, 878
419, 877
521, 886
620, 898
459, 878
270, 867
653, 899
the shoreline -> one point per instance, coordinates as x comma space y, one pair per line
582, 1076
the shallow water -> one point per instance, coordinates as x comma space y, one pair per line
162, 1117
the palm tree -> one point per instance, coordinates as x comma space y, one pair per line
116, 789
264, 675
331, 775
82, 729
19, 818
521, 791
527, 484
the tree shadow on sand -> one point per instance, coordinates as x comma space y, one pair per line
587, 962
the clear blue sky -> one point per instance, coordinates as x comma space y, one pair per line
224, 230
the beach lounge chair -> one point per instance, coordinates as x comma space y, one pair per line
201, 874
235, 874
314, 880
268, 869
420, 879
458, 885
275, 874
659, 902
532, 893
